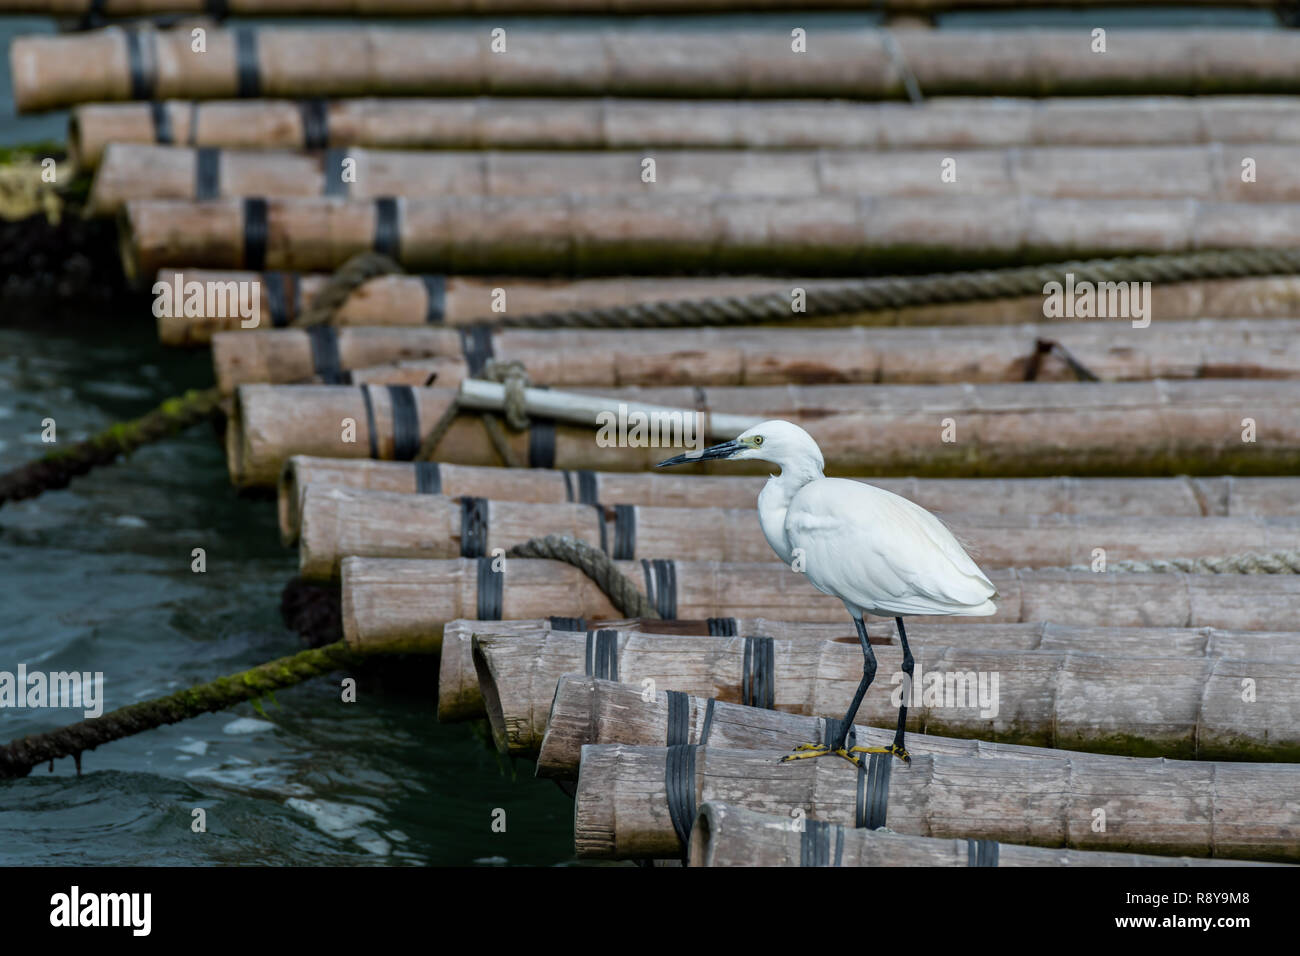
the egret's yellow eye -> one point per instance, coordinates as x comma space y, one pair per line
758, 440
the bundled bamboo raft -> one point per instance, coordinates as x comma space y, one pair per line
1210, 348
1175, 497
460, 696
1168, 807
456, 301
490, 123
464, 300
1138, 428
373, 8
337, 522
1149, 706
726, 835
589, 710
116, 64
435, 300
643, 233
1210, 173
409, 601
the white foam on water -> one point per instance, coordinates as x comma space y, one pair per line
243, 775
247, 725
199, 747
344, 822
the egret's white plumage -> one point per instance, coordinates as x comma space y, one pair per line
875, 551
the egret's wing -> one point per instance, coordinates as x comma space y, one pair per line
879, 551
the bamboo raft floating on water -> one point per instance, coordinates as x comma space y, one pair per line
1209, 348
1194, 808
725, 835
410, 601
607, 123
457, 301
460, 694
1028, 429
454, 301
649, 234
1100, 703
1228, 496
52, 72
589, 710
339, 522
1211, 173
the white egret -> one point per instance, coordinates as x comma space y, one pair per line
877, 552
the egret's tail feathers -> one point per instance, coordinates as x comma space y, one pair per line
980, 610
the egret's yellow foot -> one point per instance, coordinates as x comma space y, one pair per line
899, 752
804, 751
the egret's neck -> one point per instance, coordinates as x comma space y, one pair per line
774, 501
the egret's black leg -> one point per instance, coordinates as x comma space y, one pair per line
841, 739
868, 674
897, 748
908, 664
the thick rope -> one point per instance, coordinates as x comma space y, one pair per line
515, 379
346, 279
20, 756
595, 564
1274, 562
58, 468
897, 292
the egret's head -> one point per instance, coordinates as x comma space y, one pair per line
781, 443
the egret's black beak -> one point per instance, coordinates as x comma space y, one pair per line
725, 450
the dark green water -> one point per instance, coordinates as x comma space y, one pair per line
97, 578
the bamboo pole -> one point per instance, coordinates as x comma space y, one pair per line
639, 232
588, 710
725, 835
405, 301
53, 72
375, 8
1166, 807
1208, 173
1086, 429
460, 696
411, 600
1209, 348
606, 123
1184, 496
402, 300
1136, 706
338, 522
